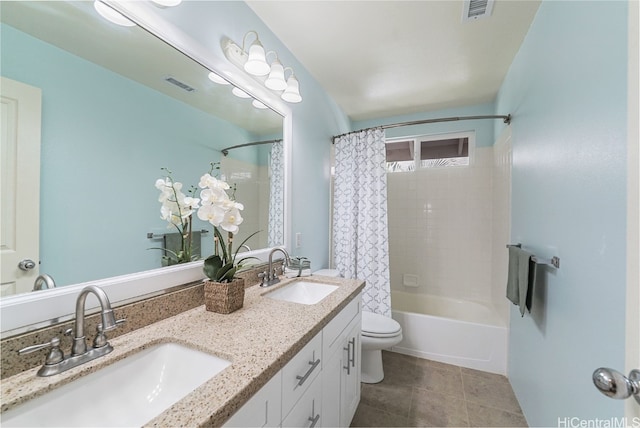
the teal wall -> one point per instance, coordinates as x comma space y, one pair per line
104, 140
483, 128
566, 90
315, 120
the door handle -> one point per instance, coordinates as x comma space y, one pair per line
616, 385
26, 264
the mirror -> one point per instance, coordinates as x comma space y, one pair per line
119, 104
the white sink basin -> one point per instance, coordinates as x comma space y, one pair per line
305, 292
129, 392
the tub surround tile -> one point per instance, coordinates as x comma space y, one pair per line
258, 339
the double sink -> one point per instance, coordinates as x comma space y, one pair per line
134, 390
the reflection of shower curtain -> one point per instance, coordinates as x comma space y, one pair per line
276, 196
360, 235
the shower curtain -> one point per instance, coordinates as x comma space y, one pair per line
360, 231
275, 234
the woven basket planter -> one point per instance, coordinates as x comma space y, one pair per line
224, 297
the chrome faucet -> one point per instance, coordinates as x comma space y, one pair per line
45, 280
56, 362
270, 277
108, 319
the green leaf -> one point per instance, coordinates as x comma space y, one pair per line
211, 267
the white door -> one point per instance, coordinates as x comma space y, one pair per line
20, 184
632, 336
633, 211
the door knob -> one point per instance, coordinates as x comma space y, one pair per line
616, 385
26, 264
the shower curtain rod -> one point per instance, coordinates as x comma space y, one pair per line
226, 150
506, 119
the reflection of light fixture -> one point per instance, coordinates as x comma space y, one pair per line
240, 93
214, 77
259, 104
167, 3
112, 15
276, 80
255, 63
292, 93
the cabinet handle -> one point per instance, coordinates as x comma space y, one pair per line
351, 356
352, 344
348, 366
302, 379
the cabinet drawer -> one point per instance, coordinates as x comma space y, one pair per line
308, 410
334, 333
300, 372
263, 409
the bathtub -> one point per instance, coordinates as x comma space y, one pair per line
464, 333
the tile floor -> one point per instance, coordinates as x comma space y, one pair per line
422, 393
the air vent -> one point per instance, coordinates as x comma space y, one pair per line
476, 9
179, 84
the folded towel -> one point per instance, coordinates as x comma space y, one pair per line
292, 273
521, 277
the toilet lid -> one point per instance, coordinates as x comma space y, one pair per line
375, 325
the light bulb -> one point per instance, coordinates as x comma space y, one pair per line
112, 15
257, 62
276, 81
292, 93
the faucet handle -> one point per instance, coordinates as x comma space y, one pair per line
55, 356
101, 338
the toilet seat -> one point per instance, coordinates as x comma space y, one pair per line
376, 325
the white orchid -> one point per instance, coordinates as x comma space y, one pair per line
177, 209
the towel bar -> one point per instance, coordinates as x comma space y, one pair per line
151, 235
554, 261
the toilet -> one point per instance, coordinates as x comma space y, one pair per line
377, 333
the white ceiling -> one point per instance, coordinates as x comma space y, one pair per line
386, 58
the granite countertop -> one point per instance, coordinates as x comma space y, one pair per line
258, 339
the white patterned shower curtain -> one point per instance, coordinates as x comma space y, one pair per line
360, 231
276, 195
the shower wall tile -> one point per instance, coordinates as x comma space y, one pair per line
440, 229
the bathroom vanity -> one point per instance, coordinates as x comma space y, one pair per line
291, 364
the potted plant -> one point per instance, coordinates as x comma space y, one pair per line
223, 293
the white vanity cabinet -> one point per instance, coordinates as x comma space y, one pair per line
320, 386
341, 372
264, 409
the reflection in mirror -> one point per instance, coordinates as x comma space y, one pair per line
117, 106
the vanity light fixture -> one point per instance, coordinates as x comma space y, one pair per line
292, 93
215, 78
276, 81
112, 15
259, 104
167, 3
255, 63
240, 93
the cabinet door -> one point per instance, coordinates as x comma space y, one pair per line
264, 409
331, 390
350, 375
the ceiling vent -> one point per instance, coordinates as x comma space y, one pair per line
476, 9
179, 84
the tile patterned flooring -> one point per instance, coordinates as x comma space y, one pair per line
423, 393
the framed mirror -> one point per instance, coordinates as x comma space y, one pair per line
119, 104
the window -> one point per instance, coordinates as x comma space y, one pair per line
428, 151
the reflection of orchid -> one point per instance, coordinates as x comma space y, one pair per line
177, 209
222, 211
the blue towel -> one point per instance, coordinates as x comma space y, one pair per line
521, 277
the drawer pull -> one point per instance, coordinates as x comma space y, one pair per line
302, 379
314, 420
